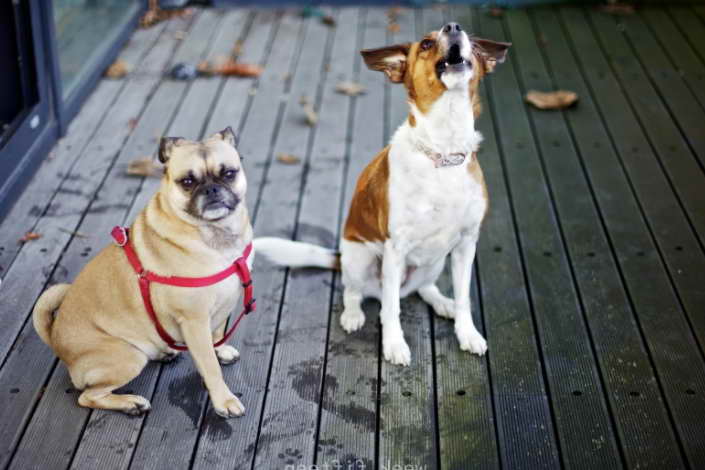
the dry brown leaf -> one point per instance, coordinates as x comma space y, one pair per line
145, 166
551, 100
132, 123
328, 20
205, 68
29, 236
496, 12
118, 69
394, 13
393, 27
350, 88
288, 158
155, 15
237, 69
617, 9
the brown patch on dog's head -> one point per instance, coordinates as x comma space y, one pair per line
203, 180
439, 60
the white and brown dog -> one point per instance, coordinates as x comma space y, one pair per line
421, 198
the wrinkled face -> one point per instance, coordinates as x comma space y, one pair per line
442, 60
204, 180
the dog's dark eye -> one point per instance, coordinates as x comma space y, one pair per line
426, 44
187, 183
229, 174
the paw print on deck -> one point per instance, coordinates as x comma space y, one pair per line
291, 456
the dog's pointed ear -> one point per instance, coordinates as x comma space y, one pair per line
490, 52
227, 135
390, 59
166, 145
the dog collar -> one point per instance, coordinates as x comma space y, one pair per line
439, 159
239, 267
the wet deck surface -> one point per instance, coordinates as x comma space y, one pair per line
591, 270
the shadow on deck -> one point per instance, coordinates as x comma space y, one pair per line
590, 276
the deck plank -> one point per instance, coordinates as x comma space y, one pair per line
681, 167
675, 45
79, 203
407, 421
680, 100
290, 414
617, 337
255, 336
351, 377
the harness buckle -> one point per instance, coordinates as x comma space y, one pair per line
247, 284
120, 236
250, 306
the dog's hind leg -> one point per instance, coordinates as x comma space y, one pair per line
105, 369
442, 305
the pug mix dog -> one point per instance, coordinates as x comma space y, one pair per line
196, 225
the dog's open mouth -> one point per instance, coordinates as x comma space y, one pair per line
453, 62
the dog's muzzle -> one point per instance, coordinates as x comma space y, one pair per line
452, 36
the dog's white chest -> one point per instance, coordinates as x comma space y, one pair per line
431, 208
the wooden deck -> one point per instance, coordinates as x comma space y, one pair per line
591, 269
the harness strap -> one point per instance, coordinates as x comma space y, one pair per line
239, 267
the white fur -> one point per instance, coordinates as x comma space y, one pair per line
433, 212
295, 254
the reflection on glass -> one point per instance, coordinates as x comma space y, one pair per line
85, 29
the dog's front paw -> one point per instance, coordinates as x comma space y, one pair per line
471, 340
227, 354
352, 319
229, 407
397, 351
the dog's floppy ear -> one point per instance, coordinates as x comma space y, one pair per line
227, 135
165, 147
490, 52
390, 59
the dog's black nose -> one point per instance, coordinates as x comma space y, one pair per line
212, 190
452, 28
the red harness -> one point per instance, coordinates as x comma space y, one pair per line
239, 267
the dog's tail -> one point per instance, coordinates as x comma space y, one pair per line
296, 254
43, 313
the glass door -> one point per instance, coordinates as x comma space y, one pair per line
85, 31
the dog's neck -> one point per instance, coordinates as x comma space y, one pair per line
447, 127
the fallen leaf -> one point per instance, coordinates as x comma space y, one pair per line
118, 69
309, 112
132, 123
237, 69
394, 13
551, 100
350, 88
393, 27
155, 15
205, 68
145, 166
179, 35
288, 158
328, 20
29, 236
496, 12
617, 9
